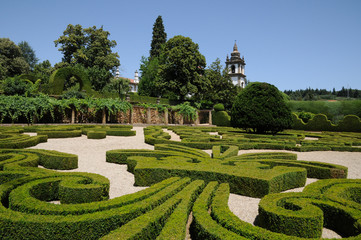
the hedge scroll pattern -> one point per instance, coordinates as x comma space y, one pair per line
200, 137
254, 175
161, 211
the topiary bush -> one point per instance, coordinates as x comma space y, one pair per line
96, 134
350, 123
320, 123
261, 108
221, 118
218, 107
58, 78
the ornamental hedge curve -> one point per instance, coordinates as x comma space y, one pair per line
58, 78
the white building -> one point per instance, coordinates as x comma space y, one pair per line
133, 83
235, 67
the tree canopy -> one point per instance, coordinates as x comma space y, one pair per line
220, 88
181, 68
149, 76
159, 38
89, 47
12, 61
261, 107
28, 54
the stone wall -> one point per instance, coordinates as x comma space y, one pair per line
138, 115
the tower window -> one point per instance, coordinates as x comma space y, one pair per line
233, 69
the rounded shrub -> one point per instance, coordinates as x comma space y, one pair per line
96, 134
221, 118
350, 123
261, 107
218, 107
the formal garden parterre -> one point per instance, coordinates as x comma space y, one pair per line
184, 180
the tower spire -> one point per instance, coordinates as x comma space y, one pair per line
235, 48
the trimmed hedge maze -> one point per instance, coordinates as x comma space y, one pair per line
303, 141
184, 181
161, 211
254, 175
13, 137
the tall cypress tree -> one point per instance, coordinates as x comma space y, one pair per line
159, 37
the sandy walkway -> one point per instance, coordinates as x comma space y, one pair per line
91, 158
91, 155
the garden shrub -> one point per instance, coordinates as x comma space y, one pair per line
14, 140
221, 118
262, 108
320, 123
96, 134
349, 123
58, 78
60, 133
218, 107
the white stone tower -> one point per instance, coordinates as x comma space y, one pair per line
235, 67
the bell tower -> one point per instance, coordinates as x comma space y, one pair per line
235, 67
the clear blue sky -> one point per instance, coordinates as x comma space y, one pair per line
293, 44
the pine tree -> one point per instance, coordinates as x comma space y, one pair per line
159, 37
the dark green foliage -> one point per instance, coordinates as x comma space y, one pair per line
12, 62
149, 69
220, 88
181, 67
159, 38
221, 118
60, 76
89, 47
14, 86
320, 123
28, 53
349, 123
218, 107
261, 107
305, 116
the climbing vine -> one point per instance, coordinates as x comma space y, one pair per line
16, 107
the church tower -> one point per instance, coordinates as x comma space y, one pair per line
235, 67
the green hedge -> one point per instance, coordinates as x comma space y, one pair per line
203, 225
58, 78
13, 140
321, 204
350, 123
96, 134
60, 134
166, 221
255, 176
221, 118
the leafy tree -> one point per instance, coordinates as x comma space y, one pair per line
18, 86
261, 108
12, 62
220, 89
159, 38
91, 48
149, 69
43, 71
99, 77
181, 68
118, 85
28, 54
